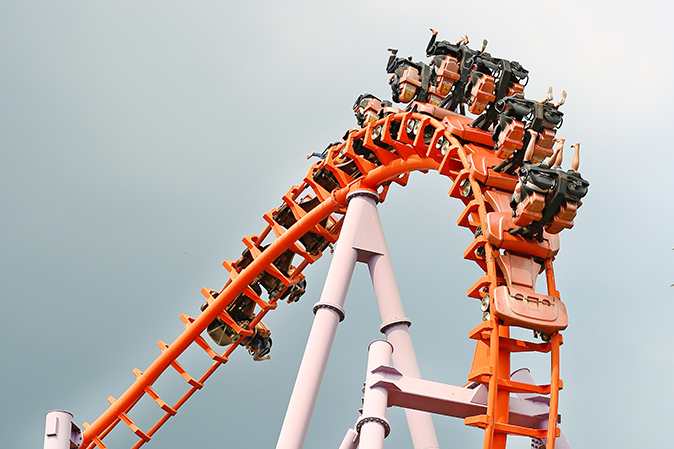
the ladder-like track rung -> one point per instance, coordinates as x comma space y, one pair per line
126, 420
482, 421
189, 379
433, 150
210, 295
471, 253
464, 219
98, 443
320, 192
99, 438
384, 155
482, 374
279, 231
511, 344
155, 397
299, 213
474, 290
522, 431
520, 387
455, 190
206, 347
401, 143
450, 165
343, 179
364, 166
247, 290
419, 143
402, 131
224, 316
255, 252
514, 345
483, 332
188, 320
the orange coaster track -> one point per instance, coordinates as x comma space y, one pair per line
310, 219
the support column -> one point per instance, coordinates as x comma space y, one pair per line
373, 426
329, 312
361, 239
60, 431
395, 325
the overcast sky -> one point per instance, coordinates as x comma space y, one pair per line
140, 141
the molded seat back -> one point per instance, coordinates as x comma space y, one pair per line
525, 308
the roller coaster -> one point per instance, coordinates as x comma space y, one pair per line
516, 199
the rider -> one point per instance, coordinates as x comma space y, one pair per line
555, 161
528, 154
444, 47
397, 66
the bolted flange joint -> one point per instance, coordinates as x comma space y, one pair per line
362, 192
393, 322
333, 307
379, 420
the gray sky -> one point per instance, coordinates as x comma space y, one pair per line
140, 141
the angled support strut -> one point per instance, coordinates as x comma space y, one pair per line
361, 239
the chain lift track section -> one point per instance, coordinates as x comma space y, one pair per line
383, 152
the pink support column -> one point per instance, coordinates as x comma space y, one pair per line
372, 425
361, 239
329, 312
60, 432
395, 325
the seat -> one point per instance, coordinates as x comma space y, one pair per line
524, 308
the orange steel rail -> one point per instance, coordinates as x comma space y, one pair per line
383, 152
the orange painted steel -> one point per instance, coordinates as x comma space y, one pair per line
373, 157
483, 198
192, 332
333, 203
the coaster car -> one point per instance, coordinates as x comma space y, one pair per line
548, 200
514, 111
241, 310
